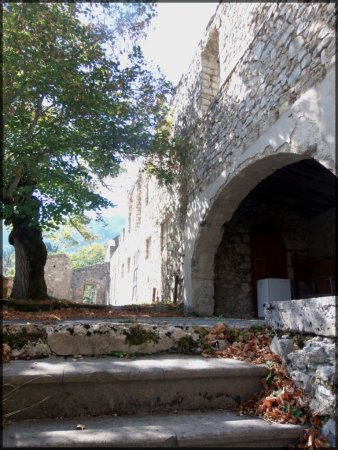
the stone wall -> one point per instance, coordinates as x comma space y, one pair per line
96, 275
286, 49
306, 343
274, 106
58, 276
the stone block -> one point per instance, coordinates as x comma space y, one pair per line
326, 373
314, 356
329, 431
295, 46
281, 347
308, 316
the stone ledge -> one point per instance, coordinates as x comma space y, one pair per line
95, 339
305, 316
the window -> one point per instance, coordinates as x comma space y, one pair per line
123, 234
136, 260
147, 193
148, 246
164, 234
122, 271
89, 294
128, 265
210, 71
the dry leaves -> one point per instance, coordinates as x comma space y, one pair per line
6, 353
76, 313
280, 400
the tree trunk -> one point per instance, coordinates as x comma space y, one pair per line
30, 260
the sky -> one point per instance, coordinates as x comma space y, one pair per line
171, 43
174, 36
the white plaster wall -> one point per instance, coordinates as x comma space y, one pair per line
149, 275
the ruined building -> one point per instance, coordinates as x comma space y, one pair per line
256, 201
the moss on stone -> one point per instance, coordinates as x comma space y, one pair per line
186, 345
137, 335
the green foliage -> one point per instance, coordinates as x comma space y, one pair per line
72, 109
137, 335
296, 412
118, 354
8, 262
270, 378
186, 345
89, 294
168, 153
87, 256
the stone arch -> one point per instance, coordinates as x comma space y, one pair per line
220, 211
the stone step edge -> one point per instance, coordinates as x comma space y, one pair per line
157, 367
186, 429
104, 338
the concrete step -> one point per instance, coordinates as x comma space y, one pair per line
97, 386
185, 429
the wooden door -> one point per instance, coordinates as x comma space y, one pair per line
268, 256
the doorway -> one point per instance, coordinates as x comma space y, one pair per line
268, 256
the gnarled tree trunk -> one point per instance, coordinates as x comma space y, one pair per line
30, 260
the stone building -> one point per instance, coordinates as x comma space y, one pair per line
257, 197
143, 261
88, 284
91, 284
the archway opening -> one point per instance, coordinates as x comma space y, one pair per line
89, 294
284, 229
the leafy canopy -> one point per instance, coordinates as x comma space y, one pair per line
87, 256
76, 103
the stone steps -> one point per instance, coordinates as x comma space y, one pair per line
154, 401
97, 386
185, 429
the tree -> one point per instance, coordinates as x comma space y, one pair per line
75, 105
87, 256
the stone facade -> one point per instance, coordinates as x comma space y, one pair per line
274, 107
147, 254
257, 97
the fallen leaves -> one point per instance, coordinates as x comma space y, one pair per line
76, 313
280, 400
6, 353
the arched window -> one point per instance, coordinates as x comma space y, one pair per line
210, 70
